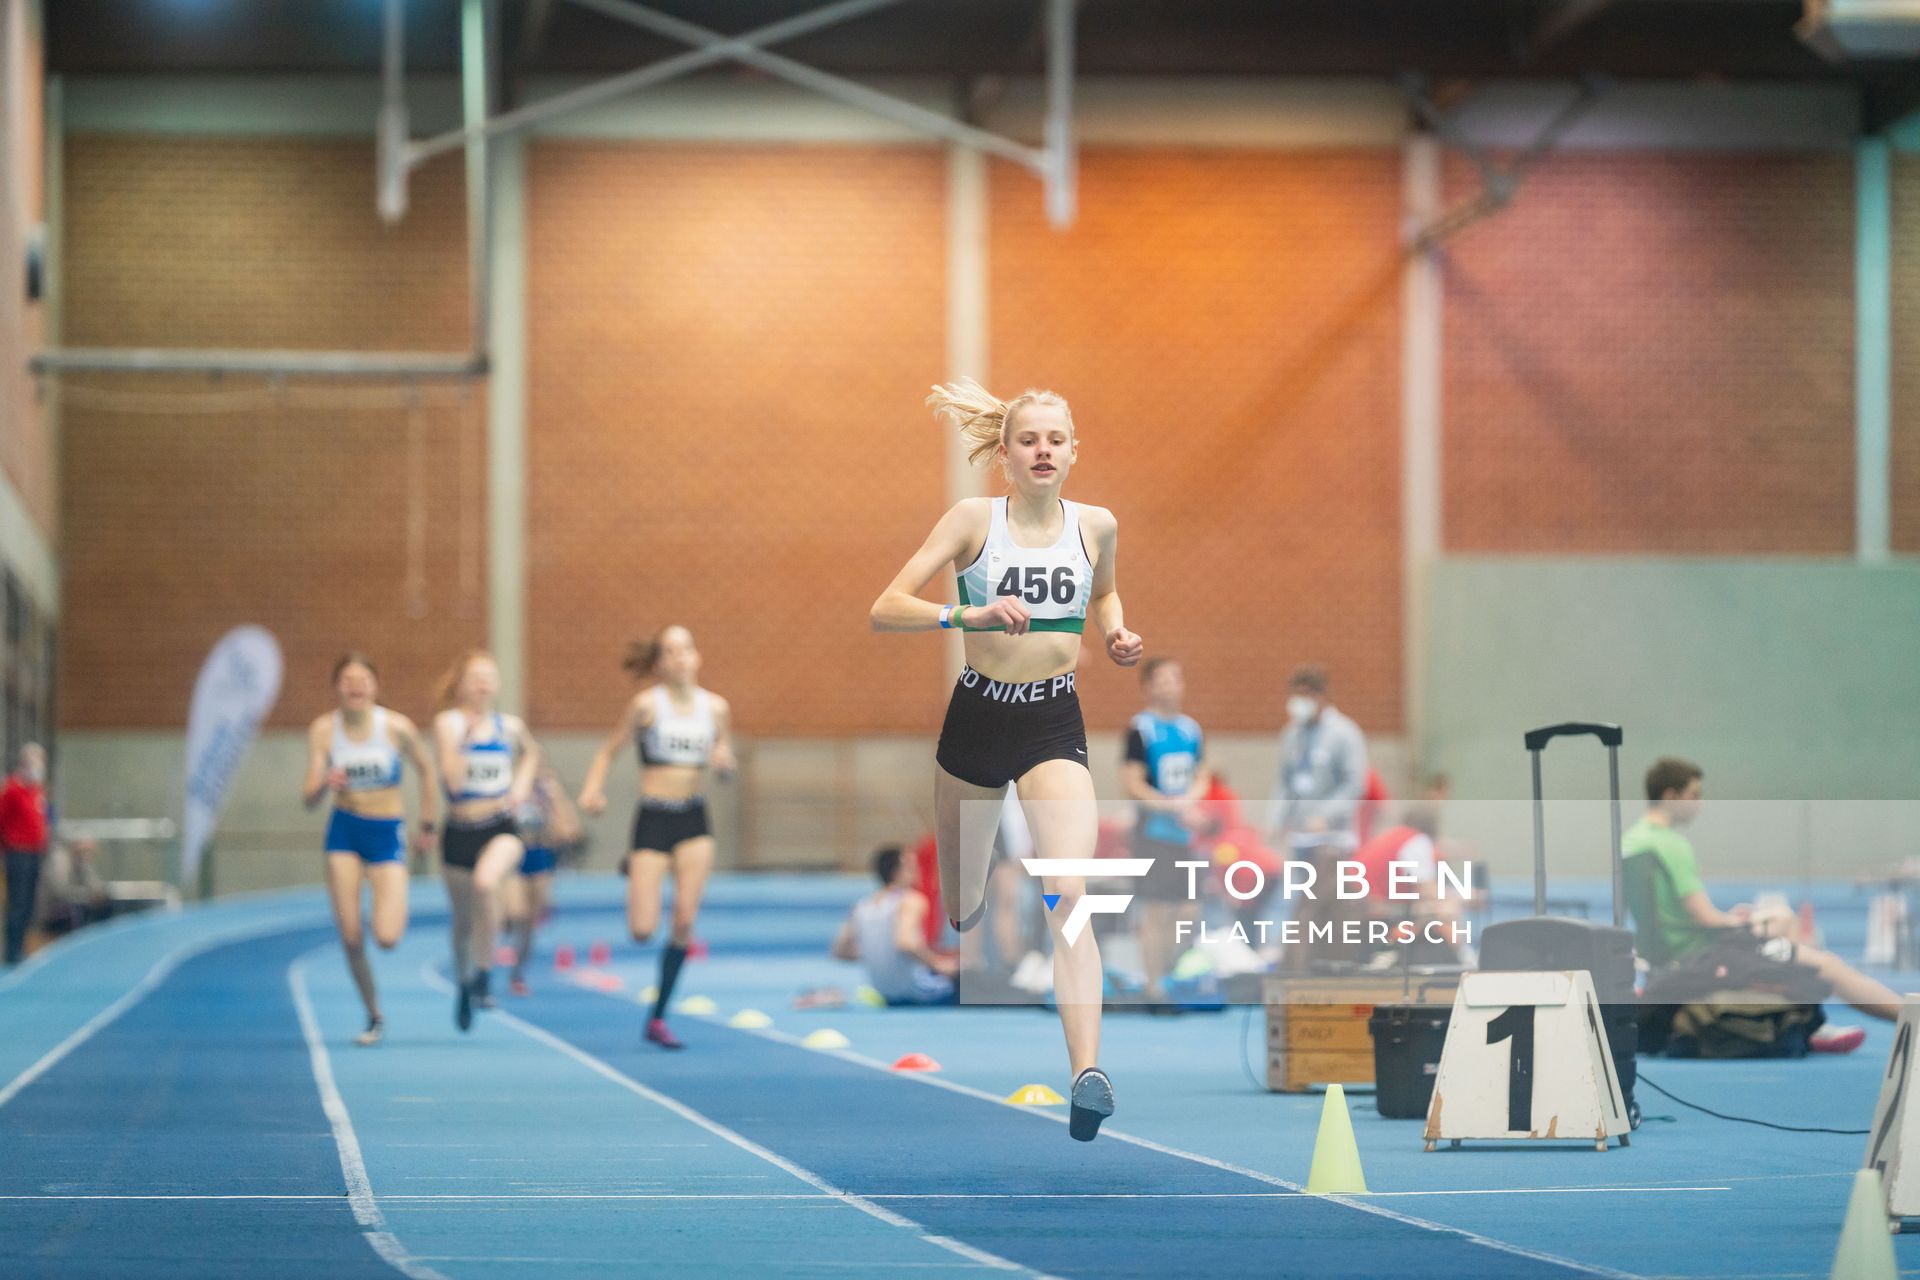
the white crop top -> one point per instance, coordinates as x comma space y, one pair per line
489, 758
1053, 582
675, 737
372, 764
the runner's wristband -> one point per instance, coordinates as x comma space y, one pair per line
946, 617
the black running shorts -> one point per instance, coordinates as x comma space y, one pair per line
461, 846
996, 732
661, 825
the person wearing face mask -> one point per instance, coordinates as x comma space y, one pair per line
1323, 771
23, 836
1323, 776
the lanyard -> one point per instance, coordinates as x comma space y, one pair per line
1303, 759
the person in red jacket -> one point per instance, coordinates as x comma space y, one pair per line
23, 837
1373, 803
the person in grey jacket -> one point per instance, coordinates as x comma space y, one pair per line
1323, 771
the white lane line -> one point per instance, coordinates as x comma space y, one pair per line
372, 1222
1352, 1202
1270, 1195
80, 1196
518, 1197
139, 991
718, 1130
834, 1267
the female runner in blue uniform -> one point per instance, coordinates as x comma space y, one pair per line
488, 762
1033, 570
354, 754
548, 823
680, 731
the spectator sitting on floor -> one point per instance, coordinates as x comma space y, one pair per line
885, 931
1224, 836
72, 891
1414, 843
1372, 809
1686, 925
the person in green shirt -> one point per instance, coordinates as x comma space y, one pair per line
1688, 923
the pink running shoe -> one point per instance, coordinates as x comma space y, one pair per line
1831, 1039
658, 1033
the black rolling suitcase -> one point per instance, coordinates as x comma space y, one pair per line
1558, 942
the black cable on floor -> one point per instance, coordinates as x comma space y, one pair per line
1765, 1124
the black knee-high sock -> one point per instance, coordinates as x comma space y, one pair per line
670, 961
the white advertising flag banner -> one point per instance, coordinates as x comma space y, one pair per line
236, 689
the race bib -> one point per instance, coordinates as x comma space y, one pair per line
1050, 582
488, 773
367, 775
1176, 772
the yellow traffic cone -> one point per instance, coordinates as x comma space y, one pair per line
1866, 1246
1336, 1157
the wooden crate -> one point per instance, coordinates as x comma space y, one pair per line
1317, 1027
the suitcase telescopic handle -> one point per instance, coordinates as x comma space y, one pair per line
1609, 734
1610, 737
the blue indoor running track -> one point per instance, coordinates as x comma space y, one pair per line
180, 1096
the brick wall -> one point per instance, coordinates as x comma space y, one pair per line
26, 446
728, 346
186, 518
1654, 353
1225, 324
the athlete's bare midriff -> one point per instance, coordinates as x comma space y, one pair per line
472, 813
1038, 655
383, 803
672, 781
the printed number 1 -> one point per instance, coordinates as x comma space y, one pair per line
1517, 1024
1897, 1072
